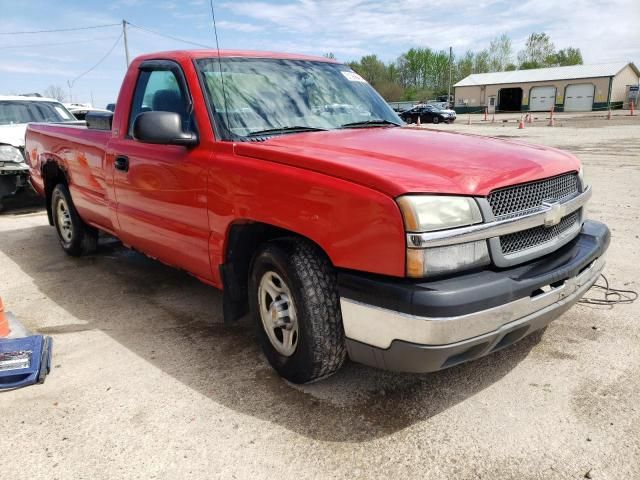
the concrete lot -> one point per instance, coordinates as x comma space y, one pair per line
149, 384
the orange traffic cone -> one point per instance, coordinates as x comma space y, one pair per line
469, 119
418, 122
632, 108
4, 322
486, 110
521, 123
529, 118
609, 115
551, 121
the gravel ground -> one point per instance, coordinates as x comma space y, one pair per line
149, 384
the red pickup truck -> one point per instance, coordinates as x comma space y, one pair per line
287, 182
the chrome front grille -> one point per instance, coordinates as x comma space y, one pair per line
525, 239
528, 198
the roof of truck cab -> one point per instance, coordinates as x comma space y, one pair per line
212, 53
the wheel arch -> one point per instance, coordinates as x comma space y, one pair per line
243, 240
52, 174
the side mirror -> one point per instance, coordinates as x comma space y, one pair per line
162, 128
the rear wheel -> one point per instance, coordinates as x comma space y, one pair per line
295, 304
76, 237
436, 120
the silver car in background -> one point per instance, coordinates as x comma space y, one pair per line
15, 113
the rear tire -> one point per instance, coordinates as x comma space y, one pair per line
436, 120
295, 303
76, 237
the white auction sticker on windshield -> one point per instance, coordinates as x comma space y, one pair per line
353, 77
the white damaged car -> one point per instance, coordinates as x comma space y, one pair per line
15, 113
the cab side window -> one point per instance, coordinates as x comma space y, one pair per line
159, 90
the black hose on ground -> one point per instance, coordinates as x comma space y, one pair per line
609, 296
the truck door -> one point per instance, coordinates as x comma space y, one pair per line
160, 190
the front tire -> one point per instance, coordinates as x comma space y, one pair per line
436, 120
76, 237
295, 304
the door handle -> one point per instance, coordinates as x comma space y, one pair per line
122, 163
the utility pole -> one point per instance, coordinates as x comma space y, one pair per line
126, 44
450, 66
69, 85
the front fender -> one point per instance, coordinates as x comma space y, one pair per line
359, 228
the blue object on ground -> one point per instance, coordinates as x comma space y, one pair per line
24, 360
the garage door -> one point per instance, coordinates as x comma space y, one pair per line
542, 99
579, 98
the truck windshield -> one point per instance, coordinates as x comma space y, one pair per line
254, 96
20, 111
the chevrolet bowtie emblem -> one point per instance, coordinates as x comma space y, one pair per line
554, 213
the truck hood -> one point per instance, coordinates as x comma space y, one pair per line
13, 134
405, 160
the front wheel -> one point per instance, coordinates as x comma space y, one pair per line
436, 120
76, 237
296, 307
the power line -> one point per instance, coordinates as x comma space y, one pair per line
148, 30
29, 45
72, 82
169, 36
61, 29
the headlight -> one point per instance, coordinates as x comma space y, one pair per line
428, 213
427, 262
10, 154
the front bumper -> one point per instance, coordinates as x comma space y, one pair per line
413, 326
13, 176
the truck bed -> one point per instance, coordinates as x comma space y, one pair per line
82, 154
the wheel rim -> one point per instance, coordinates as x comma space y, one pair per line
278, 313
65, 227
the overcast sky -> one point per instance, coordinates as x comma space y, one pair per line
604, 31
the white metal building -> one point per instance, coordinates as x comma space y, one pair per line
575, 88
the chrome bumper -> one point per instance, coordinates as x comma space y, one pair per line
11, 168
379, 327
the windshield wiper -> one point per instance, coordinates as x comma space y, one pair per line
378, 122
282, 130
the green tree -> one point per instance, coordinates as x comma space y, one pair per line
440, 72
390, 91
528, 65
464, 65
371, 68
538, 50
482, 62
422, 73
411, 68
565, 57
500, 53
